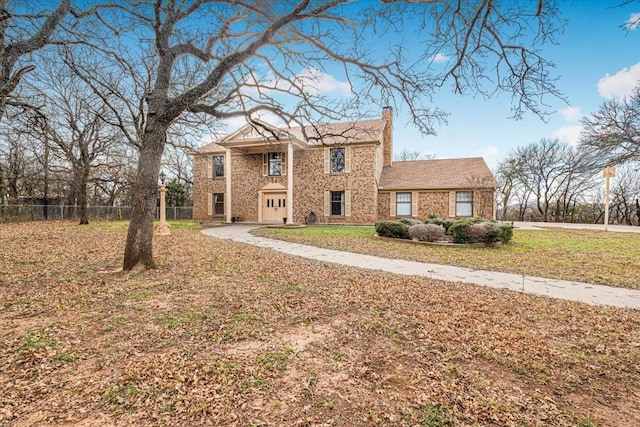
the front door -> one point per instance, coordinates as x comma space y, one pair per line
274, 207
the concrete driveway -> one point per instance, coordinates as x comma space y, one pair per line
562, 289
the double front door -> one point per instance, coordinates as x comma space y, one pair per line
274, 208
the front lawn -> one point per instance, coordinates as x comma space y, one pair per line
599, 257
224, 333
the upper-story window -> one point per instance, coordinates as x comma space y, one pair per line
337, 160
274, 162
218, 166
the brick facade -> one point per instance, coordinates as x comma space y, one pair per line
436, 202
367, 158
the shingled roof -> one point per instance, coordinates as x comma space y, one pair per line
437, 174
321, 134
341, 133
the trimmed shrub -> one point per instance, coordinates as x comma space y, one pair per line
394, 229
410, 221
427, 232
446, 223
459, 231
482, 232
474, 230
505, 232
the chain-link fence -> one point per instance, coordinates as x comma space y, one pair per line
68, 212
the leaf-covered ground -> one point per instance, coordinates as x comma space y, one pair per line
590, 256
229, 334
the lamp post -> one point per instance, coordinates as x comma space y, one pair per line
163, 229
609, 172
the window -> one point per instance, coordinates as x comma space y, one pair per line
218, 203
218, 166
403, 204
274, 162
464, 203
337, 160
271, 203
337, 203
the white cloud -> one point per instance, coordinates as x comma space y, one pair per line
633, 23
488, 152
439, 57
569, 134
620, 84
235, 123
315, 82
571, 114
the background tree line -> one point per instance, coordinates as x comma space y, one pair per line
550, 180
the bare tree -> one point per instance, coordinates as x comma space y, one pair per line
74, 122
22, 33
508, 173
21, 168
612, 134
551, 171
229, 59
625, 194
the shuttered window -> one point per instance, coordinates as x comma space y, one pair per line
337, 160
274, 164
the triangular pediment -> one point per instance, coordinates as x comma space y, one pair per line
273, 186
258, 131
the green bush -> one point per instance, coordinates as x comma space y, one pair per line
506, 232
427, 232
478, 230
459, 231
394, 229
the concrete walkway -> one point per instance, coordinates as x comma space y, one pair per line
567, 290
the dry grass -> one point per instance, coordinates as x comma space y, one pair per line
590, 256
229, 334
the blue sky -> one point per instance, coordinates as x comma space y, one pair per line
596, 58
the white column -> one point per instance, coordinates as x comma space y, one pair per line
290, 183
227, 190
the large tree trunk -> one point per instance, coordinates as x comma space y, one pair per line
139, 249
82, 194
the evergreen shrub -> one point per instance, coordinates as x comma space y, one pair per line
394, 229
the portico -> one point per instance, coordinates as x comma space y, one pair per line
276, 146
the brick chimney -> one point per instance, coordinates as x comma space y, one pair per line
387, 136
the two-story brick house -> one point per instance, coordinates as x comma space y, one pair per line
335, 173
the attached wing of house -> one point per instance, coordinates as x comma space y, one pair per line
331, 173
